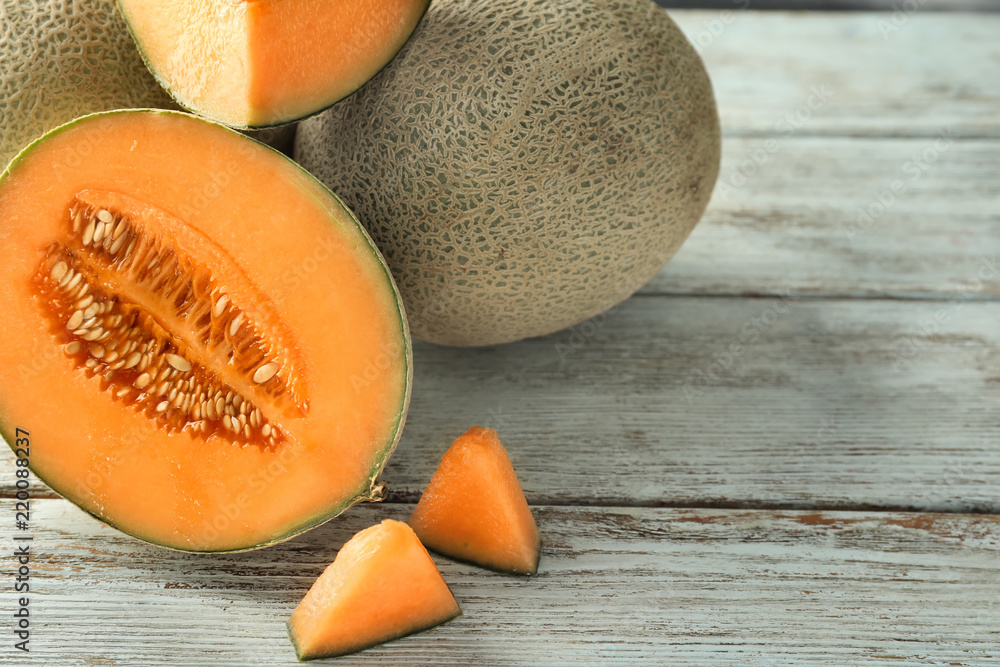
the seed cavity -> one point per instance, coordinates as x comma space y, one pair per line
131, 306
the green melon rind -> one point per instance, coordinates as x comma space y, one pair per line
271, 124
373, 490
302, 658
493, 568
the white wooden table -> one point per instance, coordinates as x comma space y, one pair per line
828, 492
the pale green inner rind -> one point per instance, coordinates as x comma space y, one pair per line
306, 658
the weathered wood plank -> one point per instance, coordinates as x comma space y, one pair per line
737, 402
835, 5
823, 403
616, 585
818, 216
910, 73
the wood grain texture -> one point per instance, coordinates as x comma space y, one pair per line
687, 587
742, 402
888, 74
836, 5
817, 216
824, 404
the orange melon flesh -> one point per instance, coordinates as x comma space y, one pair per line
383, 585
474, 510
308, 276
267, 62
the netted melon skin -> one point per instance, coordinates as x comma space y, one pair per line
525, 164
60, 59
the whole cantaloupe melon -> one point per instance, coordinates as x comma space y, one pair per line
525, 164
60, 59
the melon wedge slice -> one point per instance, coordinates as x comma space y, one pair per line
259, 64
474, 510
383, 585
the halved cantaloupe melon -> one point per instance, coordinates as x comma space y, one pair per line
257, 64
383, 585
474, 509
204, 345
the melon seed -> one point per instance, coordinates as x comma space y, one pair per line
116, 246
234, 326
178, 362
75, 320
265, 373
88, 233
59, 270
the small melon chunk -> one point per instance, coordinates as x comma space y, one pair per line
474, 509
383, 585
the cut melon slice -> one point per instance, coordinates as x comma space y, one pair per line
258, 64
474, 510
189, 324
383, 585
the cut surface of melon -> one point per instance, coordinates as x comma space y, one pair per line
190, 323
263, 63
383, 585
474, 510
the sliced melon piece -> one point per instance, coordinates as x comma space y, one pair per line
191, 325
383, 585
60, 59
257, 64
474, 510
